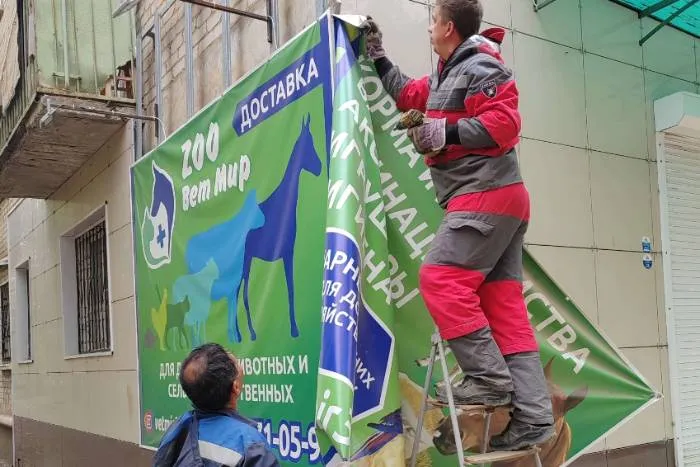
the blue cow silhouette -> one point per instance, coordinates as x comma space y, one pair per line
224, 244
275, 240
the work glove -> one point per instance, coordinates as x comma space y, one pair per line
430, 137
375, 48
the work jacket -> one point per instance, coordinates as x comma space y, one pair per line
200, 439
474, 90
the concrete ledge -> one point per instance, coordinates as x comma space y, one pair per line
6, 420
44, 444
678, 113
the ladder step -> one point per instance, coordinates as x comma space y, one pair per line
497, 456
467, 408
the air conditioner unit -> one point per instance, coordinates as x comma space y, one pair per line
123, 7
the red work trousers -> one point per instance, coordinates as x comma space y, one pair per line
472, 275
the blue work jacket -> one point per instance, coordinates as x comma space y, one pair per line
220, 439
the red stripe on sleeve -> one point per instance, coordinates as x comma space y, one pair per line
497, 110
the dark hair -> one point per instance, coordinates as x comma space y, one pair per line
207, 377
465, 14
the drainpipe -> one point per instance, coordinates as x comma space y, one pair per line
66, 66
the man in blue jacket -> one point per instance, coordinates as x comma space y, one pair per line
213, 434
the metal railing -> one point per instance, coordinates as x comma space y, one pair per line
85, 40
68, 47
12, 113
19, 105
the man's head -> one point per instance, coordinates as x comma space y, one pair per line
453, 22
212, 378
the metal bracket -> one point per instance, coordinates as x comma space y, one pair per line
667, 21
237, 11
539, 4
51, 109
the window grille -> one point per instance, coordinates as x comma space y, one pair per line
5, 323
93, 297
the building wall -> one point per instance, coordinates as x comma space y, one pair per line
9, 62
58, 400
588, 157
6, 205
85, 411
249, 48
96, 44
5, 373
587, 150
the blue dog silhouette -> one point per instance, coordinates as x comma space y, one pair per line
224, 245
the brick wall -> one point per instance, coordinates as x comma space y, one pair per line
6, 206
5, 392
249, 48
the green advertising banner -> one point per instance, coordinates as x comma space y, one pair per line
319, 299
228, 223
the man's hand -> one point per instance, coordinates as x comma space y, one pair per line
375, 48
430, 137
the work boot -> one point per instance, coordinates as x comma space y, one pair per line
532, 422
520, 435
486, 377
470, 392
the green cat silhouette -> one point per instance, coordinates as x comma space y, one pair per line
176, 321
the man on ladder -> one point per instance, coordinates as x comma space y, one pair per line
471, 280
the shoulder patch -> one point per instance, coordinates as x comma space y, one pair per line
490, 89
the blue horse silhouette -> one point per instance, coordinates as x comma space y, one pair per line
275, 240
223, 244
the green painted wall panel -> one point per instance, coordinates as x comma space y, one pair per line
95, 44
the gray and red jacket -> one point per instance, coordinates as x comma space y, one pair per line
477, 94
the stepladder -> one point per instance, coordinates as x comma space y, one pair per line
484, 456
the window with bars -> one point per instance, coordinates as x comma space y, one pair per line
92, 290
5, 323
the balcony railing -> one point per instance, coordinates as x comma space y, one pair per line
12, 113
67, 38
75, 67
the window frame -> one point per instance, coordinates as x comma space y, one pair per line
21, 313
5, 314
69, 285
86, 318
